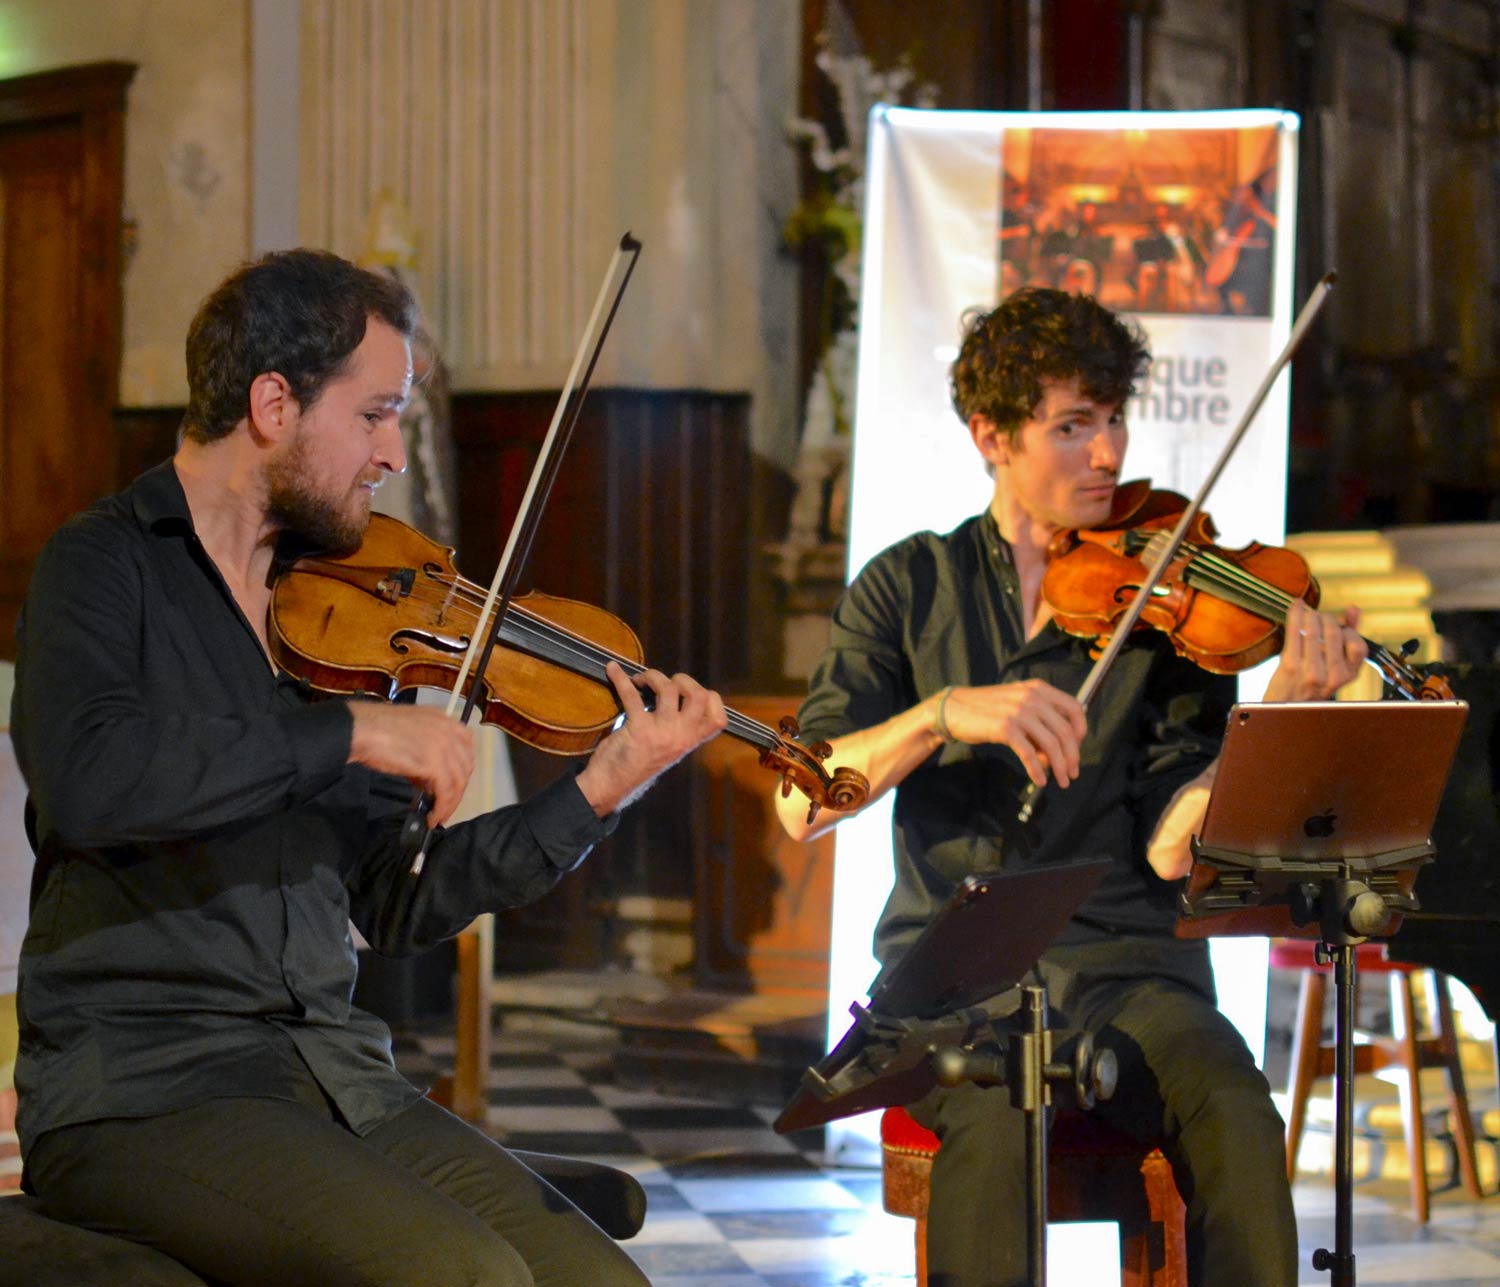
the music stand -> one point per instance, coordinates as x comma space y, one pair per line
1329, 849
934, 1018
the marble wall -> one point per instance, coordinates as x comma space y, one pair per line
522, 135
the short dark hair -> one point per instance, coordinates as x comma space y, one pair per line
300, 313
1037, 334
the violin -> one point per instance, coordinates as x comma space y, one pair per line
396, 615
1224, 610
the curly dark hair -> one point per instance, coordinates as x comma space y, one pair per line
1038, 334
300, 313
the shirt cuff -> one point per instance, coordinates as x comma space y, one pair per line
564, 823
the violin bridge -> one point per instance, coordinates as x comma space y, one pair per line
396, 584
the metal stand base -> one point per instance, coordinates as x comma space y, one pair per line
1340, 1261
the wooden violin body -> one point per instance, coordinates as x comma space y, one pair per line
395, 615
1222, 609
381, 621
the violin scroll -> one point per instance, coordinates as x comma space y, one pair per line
1435, 689
802, 767
1404, 679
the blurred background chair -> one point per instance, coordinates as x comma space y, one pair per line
1410, 1047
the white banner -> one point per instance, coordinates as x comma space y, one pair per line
1183, 221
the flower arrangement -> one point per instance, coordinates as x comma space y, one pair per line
830, 216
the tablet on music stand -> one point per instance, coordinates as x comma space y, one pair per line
1305, 786
988, 935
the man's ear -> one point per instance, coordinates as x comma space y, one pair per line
993, 443
273, 410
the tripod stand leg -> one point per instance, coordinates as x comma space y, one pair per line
1029, 1053
1036, 1197
1340, 1261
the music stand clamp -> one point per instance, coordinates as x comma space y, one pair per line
1349, 898
953, 1010
884, 1061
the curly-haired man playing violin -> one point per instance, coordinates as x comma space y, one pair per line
946, 681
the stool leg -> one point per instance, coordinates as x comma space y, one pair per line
1458, 1094
1305, 1041
471, 1059
1404, 1024
921, 1251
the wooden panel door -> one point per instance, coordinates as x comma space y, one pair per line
649, 519
61, 167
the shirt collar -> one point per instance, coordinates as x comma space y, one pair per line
161, 507
159, 502
997, 546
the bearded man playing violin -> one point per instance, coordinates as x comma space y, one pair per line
946, 680
192, 1074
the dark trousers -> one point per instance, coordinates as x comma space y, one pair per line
269, 1192
1187, 1082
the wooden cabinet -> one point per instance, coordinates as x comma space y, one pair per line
762, 902
61, 184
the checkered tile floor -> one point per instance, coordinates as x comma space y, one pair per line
733, 1204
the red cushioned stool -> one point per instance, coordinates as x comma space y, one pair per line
1404, 1049
1093, 1173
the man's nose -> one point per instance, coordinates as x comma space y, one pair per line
1105, 453
388, 452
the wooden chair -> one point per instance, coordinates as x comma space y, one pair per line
1435, 1045
10, 1146
465, 1092
1094, 1173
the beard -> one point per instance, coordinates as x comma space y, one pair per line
294, 506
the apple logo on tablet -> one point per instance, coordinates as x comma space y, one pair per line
1320, 825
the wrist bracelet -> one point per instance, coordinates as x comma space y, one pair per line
940, 722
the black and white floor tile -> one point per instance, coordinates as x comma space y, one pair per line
733, 1204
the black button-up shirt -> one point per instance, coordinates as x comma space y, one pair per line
203, 845
936, 610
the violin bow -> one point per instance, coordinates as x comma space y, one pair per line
1157, 569
415, 833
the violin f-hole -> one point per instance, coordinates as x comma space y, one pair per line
438, 643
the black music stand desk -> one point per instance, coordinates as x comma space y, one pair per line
937, 1014
1319, 818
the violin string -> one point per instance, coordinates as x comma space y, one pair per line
442, 612
548, 642
1259, 596
1232, 583
553, 643
1250, 590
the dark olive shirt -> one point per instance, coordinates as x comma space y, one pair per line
936, 610
203, 845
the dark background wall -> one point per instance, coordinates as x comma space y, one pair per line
1396, 397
